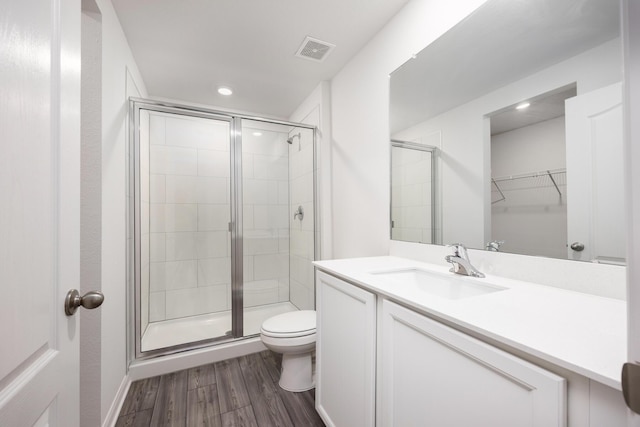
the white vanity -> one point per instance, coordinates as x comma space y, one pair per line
402, 343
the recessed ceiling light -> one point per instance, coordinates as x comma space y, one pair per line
522, 106
257, 134
222, 90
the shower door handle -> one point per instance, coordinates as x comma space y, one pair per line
90, 300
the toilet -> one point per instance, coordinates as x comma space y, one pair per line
292, 334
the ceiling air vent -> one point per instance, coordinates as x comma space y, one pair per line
314, 49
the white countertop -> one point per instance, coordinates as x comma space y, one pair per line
580, 332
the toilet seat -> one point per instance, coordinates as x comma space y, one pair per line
290, 325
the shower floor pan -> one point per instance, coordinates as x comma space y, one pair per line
173, 332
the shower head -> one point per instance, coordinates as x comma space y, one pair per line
290, 140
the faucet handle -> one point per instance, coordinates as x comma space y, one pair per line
458, 249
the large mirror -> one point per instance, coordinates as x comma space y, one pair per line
523, 102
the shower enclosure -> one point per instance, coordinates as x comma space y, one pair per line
222, 221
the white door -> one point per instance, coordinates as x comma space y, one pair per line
39, 211
595, 181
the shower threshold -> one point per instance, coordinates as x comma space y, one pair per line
169, 333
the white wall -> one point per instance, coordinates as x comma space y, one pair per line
119, 74
360, 124
532, 217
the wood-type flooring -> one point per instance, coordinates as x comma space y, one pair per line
236, 392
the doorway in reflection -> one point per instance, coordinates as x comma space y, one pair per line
529, 176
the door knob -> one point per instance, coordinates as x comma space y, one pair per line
577, 246
90, 300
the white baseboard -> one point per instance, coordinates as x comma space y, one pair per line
114, 411
189, 359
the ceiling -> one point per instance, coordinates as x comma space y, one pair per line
185, 49
541, 108
501, 42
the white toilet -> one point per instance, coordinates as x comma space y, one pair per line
292, 334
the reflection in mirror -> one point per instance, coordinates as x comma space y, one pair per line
461, 85
528, 176
413, 193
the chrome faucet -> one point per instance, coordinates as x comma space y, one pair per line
494, 245
460, 261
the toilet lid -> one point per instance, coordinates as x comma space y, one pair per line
293, 323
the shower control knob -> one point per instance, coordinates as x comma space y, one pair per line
90, 300
577, 246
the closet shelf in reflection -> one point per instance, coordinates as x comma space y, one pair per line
554, 178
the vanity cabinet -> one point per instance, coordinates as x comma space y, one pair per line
345, 353
434, 375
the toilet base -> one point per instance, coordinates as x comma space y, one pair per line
296, 374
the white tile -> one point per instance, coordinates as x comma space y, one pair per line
158, 276
272, 191
157, 306
157, 130
214, 163
260, 245
283, 290
270, 167
271, 143
181, 189
283, 192
173, 160
270, 266
213, 190
183, 217
300, 296
213, 217
415, 217
212, 244
198, 133
214, 271
417, 172
302, 162
247, 217
195, 301
157, 218
255, 192
181, 274
247, 268
181, 246
157, 247
302, 189
260, 292
157, 187
247, 166
268, 217
307, 222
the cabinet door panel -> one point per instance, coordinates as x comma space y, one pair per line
434, 375
345, 353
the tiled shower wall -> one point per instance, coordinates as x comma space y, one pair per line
265, 215
301, 153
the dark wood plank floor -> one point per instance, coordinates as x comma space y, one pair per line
235, 392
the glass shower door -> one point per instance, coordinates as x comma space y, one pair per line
277, 221
184, 214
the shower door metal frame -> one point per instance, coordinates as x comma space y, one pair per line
436, 238
134, 273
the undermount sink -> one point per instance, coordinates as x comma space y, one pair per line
442, 285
